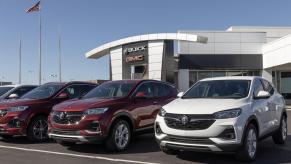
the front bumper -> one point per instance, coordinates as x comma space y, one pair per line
75, 138
208, 139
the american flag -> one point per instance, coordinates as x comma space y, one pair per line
35, 7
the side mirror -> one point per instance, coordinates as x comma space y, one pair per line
63, 96
13, 96
262, 95
140, 95
180, 94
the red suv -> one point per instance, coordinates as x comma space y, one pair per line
28, 115
112, 112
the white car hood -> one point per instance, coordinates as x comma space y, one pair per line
202, 106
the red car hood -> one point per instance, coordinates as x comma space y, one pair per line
19, 102
83, 104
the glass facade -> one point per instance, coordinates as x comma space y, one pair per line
196, 75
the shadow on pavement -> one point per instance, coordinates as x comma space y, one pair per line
141, 144
23, 140
268, 153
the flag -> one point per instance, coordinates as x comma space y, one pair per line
35, 7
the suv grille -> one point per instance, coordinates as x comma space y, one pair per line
192, 140
67, 117
189, 122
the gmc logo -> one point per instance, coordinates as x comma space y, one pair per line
134, 58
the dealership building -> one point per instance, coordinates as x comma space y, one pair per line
187, 56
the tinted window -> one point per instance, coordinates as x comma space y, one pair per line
219, 89
147, 88
42, 92
268, 87
258, 86
22, 90
75, 91
111, 90
163, 90
3, 90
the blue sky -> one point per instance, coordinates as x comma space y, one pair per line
85, 24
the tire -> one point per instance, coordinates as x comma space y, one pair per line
38, 129
66, 144
280, 136
248, 151
119, 136
6, 137
169, 151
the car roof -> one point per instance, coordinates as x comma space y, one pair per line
69, 83
232, 78
19, 85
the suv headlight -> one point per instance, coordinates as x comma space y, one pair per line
232, 113
162, 112
94, 111
17, 108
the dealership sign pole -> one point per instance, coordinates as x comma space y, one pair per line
36, 7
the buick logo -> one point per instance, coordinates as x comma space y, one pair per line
63, 115
184, 120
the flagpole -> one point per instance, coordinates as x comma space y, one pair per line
39, 77
60, 58
20, 49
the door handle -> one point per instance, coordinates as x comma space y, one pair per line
155, 102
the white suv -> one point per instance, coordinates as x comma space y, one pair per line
225, 114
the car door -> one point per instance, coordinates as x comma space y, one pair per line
261, 108
274, 103
143, 107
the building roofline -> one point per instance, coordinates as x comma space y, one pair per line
105, 48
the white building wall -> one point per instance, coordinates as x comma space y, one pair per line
224, 42
155, 52
277, 53
272, 33
116, 63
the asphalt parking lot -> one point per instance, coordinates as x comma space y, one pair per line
142, 150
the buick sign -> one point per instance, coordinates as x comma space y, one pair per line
135, 49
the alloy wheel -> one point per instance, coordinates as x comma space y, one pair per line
40, 129
284, 129
252, 143
121, 136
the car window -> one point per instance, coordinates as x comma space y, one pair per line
258, 86
147, 88
74, 91
219, 89
111, 90
22, 90
4, 90
268, 87
163, 90
43, 91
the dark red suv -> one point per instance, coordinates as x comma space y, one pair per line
28, 115
112, 112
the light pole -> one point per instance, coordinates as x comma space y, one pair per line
2, 79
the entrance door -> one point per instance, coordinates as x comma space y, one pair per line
138, 72
285, 87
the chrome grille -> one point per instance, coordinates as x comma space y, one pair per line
67, 117
189, 122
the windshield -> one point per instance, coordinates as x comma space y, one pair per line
42, 92
219, 89
4, 90
111, 90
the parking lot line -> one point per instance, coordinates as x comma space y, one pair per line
75, 155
